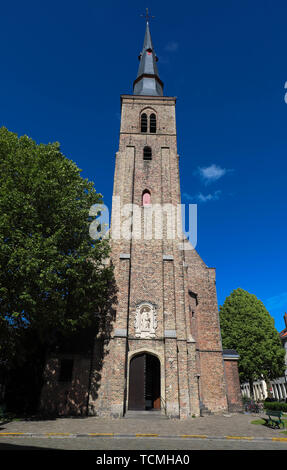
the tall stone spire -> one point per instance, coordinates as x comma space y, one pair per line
148, 81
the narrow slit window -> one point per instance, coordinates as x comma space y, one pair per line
152, 124
147, 155
146, 198
143, 122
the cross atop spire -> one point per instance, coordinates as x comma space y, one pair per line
148, 81
147, 16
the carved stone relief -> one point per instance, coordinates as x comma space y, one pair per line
145, 320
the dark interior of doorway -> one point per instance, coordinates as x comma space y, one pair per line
144, 383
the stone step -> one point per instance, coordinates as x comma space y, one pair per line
204, 411
145, 414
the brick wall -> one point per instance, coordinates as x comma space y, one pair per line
66, 397
234, 396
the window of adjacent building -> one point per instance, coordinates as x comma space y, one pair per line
147, 154
152, 124
143, 122
66, 370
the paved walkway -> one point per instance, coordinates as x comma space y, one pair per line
227, 426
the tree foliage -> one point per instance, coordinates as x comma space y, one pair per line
53, 276
247, 326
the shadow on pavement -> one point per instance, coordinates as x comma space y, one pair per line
4, 446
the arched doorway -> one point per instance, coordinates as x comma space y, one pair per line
144, 382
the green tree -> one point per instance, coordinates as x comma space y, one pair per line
247, 326
53, 276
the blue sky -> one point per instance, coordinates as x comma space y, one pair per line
65, 64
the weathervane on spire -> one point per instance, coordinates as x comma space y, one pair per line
147, 16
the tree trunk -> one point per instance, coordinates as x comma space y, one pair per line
251, 388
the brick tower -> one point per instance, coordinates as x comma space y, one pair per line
164, 352
160, 349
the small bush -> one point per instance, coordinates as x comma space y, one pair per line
2, 411
275, 406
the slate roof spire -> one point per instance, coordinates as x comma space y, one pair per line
148, 81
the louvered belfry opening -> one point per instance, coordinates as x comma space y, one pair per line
144, 383
152, 124
144, 122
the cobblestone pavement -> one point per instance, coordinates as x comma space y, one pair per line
227, 426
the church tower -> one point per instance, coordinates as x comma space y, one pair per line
164, 352
159, 350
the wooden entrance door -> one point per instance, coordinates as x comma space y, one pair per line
144, 382
137, 383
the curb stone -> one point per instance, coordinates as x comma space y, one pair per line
48, 435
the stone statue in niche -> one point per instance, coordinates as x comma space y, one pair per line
145, 321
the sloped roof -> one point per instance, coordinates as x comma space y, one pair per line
148, 81
230, 354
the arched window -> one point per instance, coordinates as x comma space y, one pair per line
147, 153
146, 198
143, 122
152, 124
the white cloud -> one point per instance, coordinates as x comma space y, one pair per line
202, 197
211, 173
